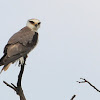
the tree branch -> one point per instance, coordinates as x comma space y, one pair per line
85, 81
18, 89
73, 97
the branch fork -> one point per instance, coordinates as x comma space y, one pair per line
18, 89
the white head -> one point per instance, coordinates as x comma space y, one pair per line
33, 24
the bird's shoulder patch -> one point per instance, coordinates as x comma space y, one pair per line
35, 38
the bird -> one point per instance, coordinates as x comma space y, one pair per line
20, 44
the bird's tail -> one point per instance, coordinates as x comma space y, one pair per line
5, 67
2, 62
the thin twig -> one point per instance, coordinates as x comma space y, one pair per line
85, 81
73, 97
9, 85
13, 85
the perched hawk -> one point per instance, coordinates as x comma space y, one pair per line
20, 44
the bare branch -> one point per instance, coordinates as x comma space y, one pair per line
85, 81
73, 97
9, 85
20, 74
13, 85
18, 88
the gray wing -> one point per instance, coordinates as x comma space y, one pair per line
19, 45
24, 36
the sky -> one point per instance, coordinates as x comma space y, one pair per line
68, 48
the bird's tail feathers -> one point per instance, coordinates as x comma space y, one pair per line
5, 67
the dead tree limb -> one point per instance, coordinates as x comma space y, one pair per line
73, 97
85, 81
18, 89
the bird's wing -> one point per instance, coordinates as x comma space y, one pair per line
20, 44
24, 36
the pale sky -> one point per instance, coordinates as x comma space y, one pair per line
68, 48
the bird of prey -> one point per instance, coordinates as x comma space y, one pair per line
20, 44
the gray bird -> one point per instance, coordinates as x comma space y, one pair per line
20, 44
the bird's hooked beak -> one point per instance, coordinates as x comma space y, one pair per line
37, 24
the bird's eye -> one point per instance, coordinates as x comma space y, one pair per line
31, 22
39, 23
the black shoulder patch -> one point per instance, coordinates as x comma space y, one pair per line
35, 38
